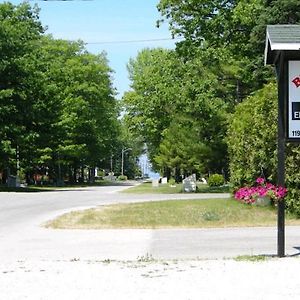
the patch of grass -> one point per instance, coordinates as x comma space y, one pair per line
146, 188
252, 258
172, 214
147, 258
211, 216
204, 188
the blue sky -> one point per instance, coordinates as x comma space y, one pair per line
106, 21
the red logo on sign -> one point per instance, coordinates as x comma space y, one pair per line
296, 81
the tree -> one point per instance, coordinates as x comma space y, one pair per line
20, 31
182, 151
58, 112
169, 95
149, 106
224, 28
199, 22
89, 111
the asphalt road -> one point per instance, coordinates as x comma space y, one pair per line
22, 236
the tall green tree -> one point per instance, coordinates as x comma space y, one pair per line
170, 93
150, 105
58, 112
20, 31
84, 124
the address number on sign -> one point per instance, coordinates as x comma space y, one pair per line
296, 132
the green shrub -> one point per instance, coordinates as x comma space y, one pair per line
252, 145
172, 181
101, 173
252, 137
215, 180
122, 178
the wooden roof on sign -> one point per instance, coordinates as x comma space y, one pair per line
281, 38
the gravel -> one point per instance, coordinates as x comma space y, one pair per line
145, 278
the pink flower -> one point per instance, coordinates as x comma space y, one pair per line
270, 186
250, 194
280, 192
260, 180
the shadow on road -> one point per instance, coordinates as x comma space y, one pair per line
296, 254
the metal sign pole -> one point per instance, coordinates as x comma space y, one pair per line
282, 50
281, 77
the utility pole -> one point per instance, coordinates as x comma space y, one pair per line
122, 162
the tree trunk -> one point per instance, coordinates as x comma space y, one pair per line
75, 174
92, 175
177, 175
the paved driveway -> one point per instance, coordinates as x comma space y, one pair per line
23, 237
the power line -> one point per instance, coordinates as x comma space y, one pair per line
58, 0
132, 41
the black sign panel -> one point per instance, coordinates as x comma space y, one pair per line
296, 111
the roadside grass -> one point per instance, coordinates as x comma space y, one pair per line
253, 258
205, 188
48, 188
172, 214
147, 188
30, 189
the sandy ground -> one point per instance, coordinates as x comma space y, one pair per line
146, 279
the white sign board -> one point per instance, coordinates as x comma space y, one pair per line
164, 180
155, 182
293, 130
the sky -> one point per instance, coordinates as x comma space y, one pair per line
111, 24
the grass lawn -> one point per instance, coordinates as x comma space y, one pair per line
172, 214
145, 188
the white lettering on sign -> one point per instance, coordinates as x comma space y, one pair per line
293, 124
296, 115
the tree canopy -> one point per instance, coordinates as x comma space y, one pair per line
58, 112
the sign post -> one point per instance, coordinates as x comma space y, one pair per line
294, 100
281, 79
282, 50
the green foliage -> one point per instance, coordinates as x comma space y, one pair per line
153, 84
57, 108
252, 137
177, 151
176, 108
236, 28
229, 37
135, 145
20, 30
215, 180
122, 178
293, 178
172, 181
199, 21
252, 144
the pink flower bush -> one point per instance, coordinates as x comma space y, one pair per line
249, 195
